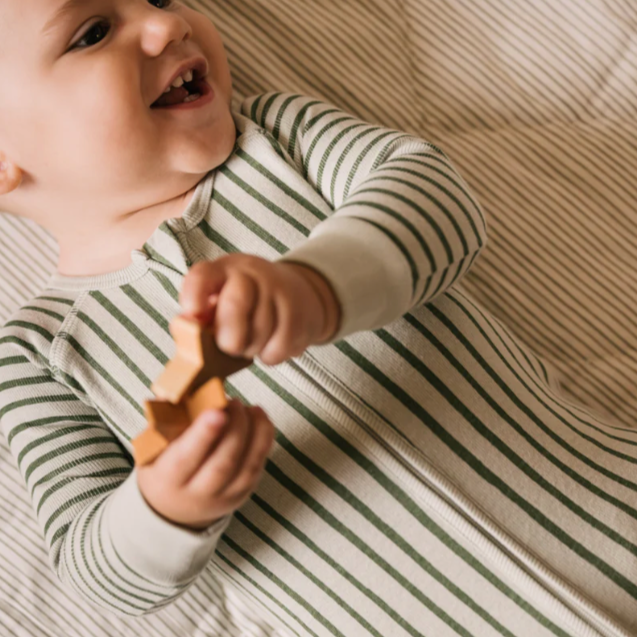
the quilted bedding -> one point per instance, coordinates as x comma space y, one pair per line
534, 102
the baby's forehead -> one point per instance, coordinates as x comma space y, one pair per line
21, 18
15, 13
34, 12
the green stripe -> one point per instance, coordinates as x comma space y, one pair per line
328, 152
255, 107
130, 325
268, 202
57, 299
269, 595
372, 205
398, 243
396, 492
72, 446
76, 462
502, 329
41, 422
251, 225
317, 138
155, 256
77, 499
44, 311
346, 151
477, 465
218, 239
31, 327
172, 235
315, 580
266, 108
166, 283
300, 116
302, 537
366, 152
13, 360
127, 593
71, 383
28, 402
276, 131
24, 345
122, 355
84, 584
422, 212
449, 174
547, 405
53, 435
528, 412
24, 382
293, 194
276, 580
105, 473
106, 376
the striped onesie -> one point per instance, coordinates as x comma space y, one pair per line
425, 463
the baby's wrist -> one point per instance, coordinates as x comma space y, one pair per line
331, 306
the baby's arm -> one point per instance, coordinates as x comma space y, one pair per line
405, 226
103, 539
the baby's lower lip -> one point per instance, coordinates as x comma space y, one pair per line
207, 96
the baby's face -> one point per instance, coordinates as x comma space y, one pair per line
79, 79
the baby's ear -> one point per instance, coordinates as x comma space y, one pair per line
10, 175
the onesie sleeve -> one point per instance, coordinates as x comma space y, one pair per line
103, 539
404, 226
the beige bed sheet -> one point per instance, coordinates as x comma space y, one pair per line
535, 103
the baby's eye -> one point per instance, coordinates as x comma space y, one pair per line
99, 29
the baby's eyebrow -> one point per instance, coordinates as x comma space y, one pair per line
63, 12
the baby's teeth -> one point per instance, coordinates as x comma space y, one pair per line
188, 76
192, 98
168, 89
178, 82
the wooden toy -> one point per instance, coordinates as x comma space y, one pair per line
191, 383
198, 360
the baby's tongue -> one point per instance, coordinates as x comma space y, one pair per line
176, 96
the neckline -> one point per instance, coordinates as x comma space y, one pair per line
190, 217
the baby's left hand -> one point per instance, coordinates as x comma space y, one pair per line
273, 310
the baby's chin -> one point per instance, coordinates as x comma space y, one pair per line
203, 151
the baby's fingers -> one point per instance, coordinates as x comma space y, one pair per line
263, 324
235, 308
184, 456
203, 280
260, 445
224, 463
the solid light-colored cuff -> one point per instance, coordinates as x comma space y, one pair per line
154, 547
369, 274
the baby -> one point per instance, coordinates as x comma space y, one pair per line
313, 242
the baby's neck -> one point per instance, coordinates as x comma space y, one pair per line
109, 249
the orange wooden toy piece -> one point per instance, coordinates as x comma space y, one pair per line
198, 360
191, 383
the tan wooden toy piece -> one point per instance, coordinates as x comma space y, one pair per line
191, 383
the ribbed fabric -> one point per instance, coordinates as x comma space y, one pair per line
534, 102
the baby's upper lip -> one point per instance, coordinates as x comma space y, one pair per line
198, 64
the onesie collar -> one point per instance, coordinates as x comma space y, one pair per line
192, 215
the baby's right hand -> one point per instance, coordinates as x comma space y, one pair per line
211, 469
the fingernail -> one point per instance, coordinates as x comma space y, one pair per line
214, 417
224, 339
4, 165
189, 306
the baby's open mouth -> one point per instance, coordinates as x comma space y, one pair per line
187, 88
